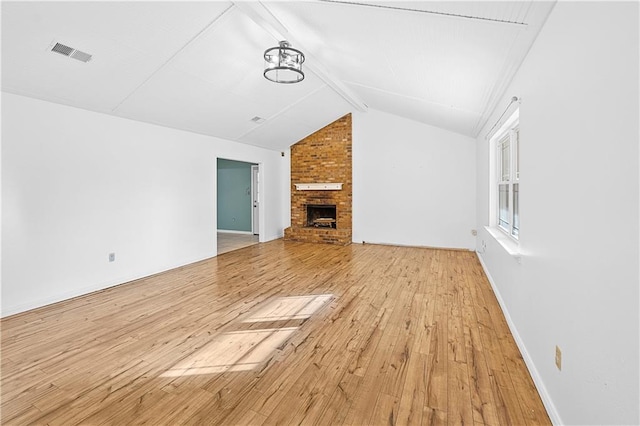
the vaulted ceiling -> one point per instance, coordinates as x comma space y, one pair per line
198, 66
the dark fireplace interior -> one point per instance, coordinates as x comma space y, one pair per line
321, 215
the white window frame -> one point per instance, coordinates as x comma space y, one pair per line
507, 133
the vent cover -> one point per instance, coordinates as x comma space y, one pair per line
62, 49
257, 119
71, 52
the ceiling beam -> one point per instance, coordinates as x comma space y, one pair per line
261, 15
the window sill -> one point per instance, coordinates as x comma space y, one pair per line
508, 244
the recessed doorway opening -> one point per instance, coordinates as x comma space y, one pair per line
237, 204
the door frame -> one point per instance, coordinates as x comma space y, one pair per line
261, 217
255, 199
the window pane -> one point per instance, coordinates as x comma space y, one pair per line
516, 215
505, 159
503, 204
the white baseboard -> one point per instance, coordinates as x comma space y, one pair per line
411, 245
537, 380
267, 238
231, 231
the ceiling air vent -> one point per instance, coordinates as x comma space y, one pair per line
71, 52
81, 56
62, 49
257, 119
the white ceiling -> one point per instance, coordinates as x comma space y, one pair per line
197, 66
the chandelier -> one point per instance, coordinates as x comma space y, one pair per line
283, 64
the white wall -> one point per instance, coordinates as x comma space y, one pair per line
413, 184
578, 284
77, 185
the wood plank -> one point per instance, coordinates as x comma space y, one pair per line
404, 336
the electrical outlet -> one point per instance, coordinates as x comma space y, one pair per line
558, 358
112, 257
474, 232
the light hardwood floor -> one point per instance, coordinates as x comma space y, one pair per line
276, 333
228, 241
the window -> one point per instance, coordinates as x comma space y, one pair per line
508, 177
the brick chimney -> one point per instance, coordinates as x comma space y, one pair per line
322, 158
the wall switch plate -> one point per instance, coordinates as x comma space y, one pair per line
112, 257
558, 358
474, 232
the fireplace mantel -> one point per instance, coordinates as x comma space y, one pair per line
329, 186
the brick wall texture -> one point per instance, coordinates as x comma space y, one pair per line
322, 157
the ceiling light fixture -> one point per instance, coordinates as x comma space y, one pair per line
283, 64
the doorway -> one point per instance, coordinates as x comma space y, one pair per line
238, 204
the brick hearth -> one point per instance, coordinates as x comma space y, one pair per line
323, 157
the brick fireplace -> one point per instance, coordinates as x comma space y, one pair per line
320, 206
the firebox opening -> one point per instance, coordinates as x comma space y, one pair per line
321, 215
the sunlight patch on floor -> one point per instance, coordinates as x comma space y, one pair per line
247, 349
289, 308
233, 351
